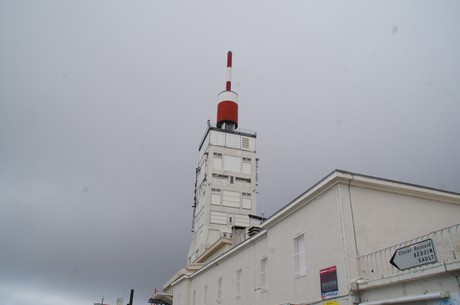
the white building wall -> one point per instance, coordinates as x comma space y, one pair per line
384, 218
247, 260
225, 188
181, 292
319, 222
340, 220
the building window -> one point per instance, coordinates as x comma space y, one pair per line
246, 166
238, 283
205, 295
219, 290
215, 196
220, 178
217, 161
231, 199
232, 163
242, 180
264, 274
246, 201
300, 264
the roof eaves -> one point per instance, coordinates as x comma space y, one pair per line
317, 189
342, 176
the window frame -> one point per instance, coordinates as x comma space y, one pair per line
238, 275
264, 274
219, 289
300, 260
205, 294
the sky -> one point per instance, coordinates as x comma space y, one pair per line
103, 105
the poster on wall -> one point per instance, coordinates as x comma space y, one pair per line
329, 285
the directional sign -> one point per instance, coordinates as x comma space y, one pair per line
414, 255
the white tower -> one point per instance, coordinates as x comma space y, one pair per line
225, 188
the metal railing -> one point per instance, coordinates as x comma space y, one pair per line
377, 265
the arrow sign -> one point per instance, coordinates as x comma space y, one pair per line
418, 254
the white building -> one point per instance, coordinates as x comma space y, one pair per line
224, 191
225, 181
343, 241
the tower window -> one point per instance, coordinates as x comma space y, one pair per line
217, 161
232, 163
215, 197
217, 176
245, 180
246, 166
231, 199
218, 218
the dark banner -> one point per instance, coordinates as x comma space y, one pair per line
329, 285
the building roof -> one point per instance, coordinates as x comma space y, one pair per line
370, 182
334, 178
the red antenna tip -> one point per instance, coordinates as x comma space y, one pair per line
229, 59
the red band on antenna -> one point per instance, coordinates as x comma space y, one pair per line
229, 59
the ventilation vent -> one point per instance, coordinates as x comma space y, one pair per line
253, 231
245, 143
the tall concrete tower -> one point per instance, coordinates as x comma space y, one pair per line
225, 188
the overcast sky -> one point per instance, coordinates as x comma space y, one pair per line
103, 105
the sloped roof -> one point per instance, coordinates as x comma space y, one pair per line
334, 178
370, 182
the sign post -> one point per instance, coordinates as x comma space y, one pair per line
418, 254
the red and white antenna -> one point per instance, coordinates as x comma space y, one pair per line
228, 86
227, 109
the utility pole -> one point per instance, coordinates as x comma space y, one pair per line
131, 297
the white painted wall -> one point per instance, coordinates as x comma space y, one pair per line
443, 282
319, 221
340, 221
383, 218
225, 191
